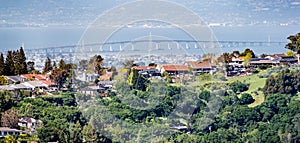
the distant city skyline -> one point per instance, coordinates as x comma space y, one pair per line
50, 23
78, 13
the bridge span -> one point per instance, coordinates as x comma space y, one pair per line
118, 46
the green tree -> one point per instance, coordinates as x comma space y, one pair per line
137, 81
48, 67
2, 65
152, 64
91, 134
246, 99
30, 66
290, 53
6, 102
9, 64
54, 64
248, 51
9, 139
225, 58
285, 82
205, 95
294, 43
238, 87
21, 61
59, 76
99, 65
247, 59
62, 64
3, 80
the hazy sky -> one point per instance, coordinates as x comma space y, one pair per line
35, 13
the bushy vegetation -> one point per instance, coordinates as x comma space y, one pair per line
62, 120
238, 87
285, 82
14, 63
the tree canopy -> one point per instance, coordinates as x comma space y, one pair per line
294, 43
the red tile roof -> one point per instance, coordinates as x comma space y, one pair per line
175, 68
35, 76
106, 77
48, 82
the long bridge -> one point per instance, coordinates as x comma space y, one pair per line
118, 46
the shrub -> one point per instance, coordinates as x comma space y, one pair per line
246, 99
238, 87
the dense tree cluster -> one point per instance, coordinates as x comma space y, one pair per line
137, 81
62, 74
14, 63
275, 120
285, 82
226, 57
238, 87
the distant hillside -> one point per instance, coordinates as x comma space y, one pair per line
34, 13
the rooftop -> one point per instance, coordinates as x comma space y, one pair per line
200, 65
175, 67
6, 129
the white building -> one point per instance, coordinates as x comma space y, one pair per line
4, 131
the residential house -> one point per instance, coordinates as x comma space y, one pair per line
173, 70
36, 84
289, 60
15, 79
4, 131
200, 67
29, 124
37, 77
7, 87
90, 90
106, 77
147, 71
41, 81
100, 88
256, 62
13, 87
237, 62
283, 59
107, 85
83, 76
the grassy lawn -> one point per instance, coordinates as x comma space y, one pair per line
255, 83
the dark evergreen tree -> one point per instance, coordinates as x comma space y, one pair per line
248, 51
294, 44
48, 66
2, 65
62, 64
30, 66
22, 62
99, 64
15, 61
54, 65
9, 64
